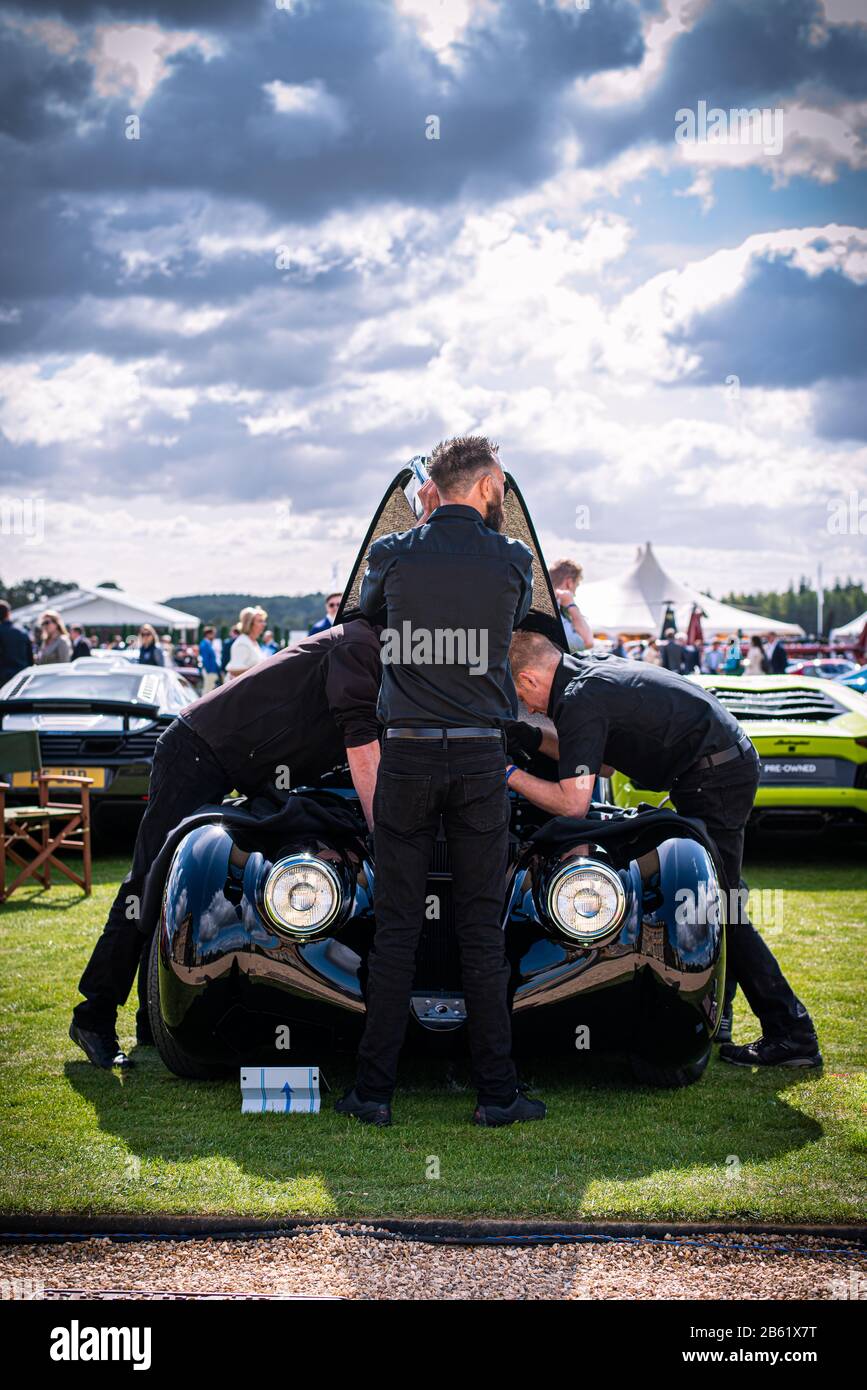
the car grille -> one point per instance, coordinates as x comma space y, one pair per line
791, 704
57, 749
438, 963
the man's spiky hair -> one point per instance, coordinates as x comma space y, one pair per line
456, 464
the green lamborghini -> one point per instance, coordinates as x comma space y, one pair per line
811, 736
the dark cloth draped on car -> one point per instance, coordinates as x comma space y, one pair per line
633, 834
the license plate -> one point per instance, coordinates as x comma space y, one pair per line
28, 779
821, 772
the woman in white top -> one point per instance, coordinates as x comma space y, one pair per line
246, 652
756, 659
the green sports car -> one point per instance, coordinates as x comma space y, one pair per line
811, 736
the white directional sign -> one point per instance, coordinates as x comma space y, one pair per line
291, 1090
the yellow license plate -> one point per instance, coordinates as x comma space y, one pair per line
28, 779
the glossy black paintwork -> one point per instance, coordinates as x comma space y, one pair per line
228, 977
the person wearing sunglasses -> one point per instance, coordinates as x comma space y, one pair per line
56, 647
332, 604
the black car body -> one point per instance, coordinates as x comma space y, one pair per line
265, 915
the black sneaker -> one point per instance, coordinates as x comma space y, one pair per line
773, 1052
102, 1049
521, 1108
369, 1112
724, 1032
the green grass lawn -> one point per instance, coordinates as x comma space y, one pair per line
777, 1146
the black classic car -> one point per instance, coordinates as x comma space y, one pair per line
264, 911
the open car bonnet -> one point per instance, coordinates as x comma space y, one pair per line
395, 513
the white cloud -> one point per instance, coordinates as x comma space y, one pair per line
158, 316
309, 99
88, 400
637, 339
133, 59
59, 38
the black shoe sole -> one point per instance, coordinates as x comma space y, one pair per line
795, 1063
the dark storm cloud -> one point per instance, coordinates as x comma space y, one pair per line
785, 328
39, 91
202, 14
738, 53
211, 126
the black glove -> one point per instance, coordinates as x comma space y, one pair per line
523, 741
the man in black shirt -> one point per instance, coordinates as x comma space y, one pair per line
80, 644
297, 714
672, 651
446, 695
664, 733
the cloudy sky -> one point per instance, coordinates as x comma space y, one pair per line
257, 253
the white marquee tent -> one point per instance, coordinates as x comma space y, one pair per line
635, 603
852, 631
108, 608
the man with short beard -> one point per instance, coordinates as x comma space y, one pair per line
443, 757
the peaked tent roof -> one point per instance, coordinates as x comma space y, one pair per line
635, 602
106, 608
850, 632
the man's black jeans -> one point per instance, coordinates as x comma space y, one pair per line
464, 782
185, 776
723, 797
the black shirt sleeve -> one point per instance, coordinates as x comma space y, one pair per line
352, 688
582, 730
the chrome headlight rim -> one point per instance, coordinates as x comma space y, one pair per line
291, 861
577, 867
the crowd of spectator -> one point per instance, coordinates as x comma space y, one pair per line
214, 660
673, 651
210, 662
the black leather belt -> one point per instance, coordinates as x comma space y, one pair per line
444, 733
737, 750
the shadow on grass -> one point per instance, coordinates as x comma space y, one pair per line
601, 1128
61, 894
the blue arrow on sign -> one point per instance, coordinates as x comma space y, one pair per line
287, 1091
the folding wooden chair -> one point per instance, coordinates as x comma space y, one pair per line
45, 828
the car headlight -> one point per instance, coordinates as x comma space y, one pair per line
586, 900
302, 895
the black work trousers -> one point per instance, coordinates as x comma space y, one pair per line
723, 797
185, 776
463, 782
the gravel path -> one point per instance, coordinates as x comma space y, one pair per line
323, 1263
